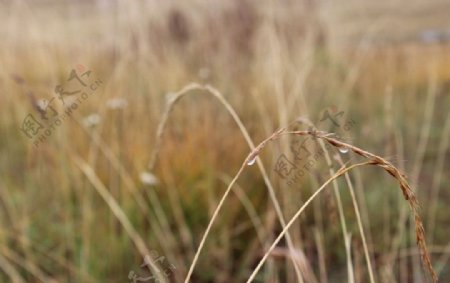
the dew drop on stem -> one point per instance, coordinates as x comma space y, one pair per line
251, 160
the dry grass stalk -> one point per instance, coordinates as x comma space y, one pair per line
359, 221
408, 193
297, 214
118, 213
253, 157
372, 160
10, 270
345, 233
158, 142
27, 265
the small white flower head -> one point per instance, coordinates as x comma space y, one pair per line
117, 103
42, 104
148, 178
91, 120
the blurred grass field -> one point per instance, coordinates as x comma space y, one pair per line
61, 202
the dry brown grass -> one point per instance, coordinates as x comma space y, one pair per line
373, 159
92, 220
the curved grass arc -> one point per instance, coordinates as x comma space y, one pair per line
215, 93
373, 160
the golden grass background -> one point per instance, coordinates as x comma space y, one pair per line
75, 209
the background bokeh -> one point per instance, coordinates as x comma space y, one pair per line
79, 202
